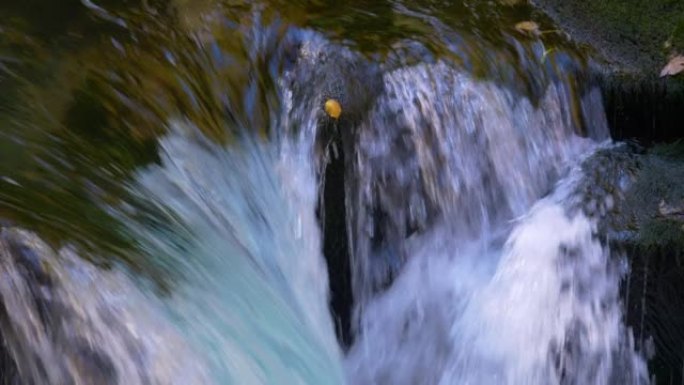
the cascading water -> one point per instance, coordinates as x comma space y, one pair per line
464, 307
475, 225
255, 301
449, 162
240, 235
439, 144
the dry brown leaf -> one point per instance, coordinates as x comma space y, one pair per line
665, 209
527, 27
673, 67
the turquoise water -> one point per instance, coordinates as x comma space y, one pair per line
252, 291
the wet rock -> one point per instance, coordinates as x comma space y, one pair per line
634, 36
330, 72
634, 41
63, 322
647, 228
323, 72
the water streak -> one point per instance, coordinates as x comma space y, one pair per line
253, 295
438, 144
544, 308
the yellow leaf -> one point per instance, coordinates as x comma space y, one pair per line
333, 108
528, 27
673, 67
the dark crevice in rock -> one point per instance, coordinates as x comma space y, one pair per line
648, 111
332, 213
9, 374
654, 305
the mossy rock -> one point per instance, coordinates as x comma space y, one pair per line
631, 40
634, 35
652, 239
659, 179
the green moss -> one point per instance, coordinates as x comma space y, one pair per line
678, 33
657, 233
637, 35
671, 151
658, 180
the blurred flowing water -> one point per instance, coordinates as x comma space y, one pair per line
164, 216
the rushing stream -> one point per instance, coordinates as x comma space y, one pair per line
189, 214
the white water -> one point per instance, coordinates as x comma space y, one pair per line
439, 144
542, 309
497, 284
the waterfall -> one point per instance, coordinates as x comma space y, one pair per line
475, 215
464, 272
543, 308
254, 288
439, 143
249, 301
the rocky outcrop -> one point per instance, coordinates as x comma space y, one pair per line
66, 321
649, 229
633, 36
634, 40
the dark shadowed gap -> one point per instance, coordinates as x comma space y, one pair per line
649, 111
9, 373
655, 308
336, 243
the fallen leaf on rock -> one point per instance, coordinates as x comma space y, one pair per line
673, 67
666, 210
333, 108
527, 27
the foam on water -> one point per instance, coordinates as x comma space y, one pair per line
463, 272
541, 309
439, 143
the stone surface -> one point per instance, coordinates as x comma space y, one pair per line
634, 40
648, 229
633, 35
